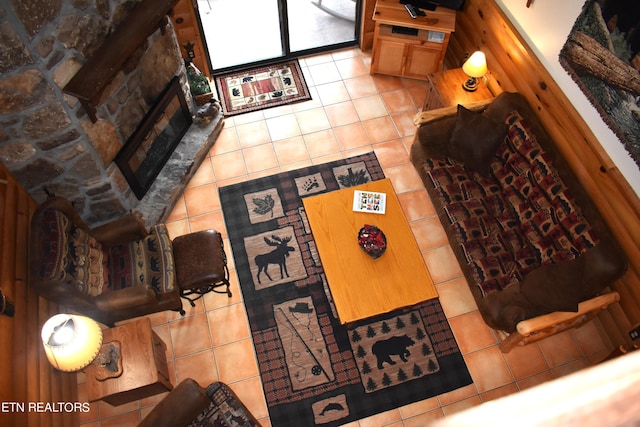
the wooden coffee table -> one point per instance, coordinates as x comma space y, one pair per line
361, 286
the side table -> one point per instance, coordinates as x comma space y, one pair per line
445, 90
144, 365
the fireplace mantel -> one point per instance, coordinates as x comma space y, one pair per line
90, 81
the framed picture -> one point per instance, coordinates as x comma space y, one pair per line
151, 144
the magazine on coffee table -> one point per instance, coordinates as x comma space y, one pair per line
369, 201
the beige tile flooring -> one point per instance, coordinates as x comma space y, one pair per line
351, 112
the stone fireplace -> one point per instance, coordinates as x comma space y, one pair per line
48, 141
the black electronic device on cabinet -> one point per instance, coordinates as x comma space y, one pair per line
432, 4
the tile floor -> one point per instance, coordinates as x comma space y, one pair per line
351, 112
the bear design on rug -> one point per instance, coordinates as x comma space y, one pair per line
397, 345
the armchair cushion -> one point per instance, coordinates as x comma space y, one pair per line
54, 242
87, 262
188, 404
225, 410
70, 253
149, 261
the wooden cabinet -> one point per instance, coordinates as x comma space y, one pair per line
407, 47
389, 57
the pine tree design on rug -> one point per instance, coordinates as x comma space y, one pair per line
352, 175
393, 351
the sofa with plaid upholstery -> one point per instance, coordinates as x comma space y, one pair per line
528, 239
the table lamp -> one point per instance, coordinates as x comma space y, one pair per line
73, 342
474, 67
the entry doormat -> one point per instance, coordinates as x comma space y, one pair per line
314, 370
262, 87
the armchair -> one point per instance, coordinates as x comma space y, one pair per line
189, 404
112, 272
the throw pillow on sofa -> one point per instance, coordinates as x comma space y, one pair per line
555, 287
475, 140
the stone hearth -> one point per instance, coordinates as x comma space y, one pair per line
156, 205
48, 142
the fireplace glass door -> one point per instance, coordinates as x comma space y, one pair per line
147, 150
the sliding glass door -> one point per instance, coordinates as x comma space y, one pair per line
319, 23
239, 32
243, 32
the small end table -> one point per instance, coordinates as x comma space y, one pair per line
445, 90
144, 365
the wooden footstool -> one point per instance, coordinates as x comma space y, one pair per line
201, 264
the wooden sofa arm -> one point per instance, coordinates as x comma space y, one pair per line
179, 407
123, 299
125, 229
540, 327
431, 115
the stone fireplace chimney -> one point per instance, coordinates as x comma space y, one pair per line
49, 142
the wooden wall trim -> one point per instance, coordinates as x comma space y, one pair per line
514, 67
185, 24
367, 25
570, 400
25, 373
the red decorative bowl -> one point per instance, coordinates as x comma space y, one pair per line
372, 240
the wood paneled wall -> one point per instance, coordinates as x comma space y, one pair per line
515, 68
25, 373
187, 32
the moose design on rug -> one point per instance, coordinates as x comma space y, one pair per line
277, 248
385, 345
277, 256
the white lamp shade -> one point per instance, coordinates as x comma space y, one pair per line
71, 342
476, 65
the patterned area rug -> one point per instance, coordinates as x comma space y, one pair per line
262, 87
314, 370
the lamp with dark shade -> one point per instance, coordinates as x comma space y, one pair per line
474, 67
